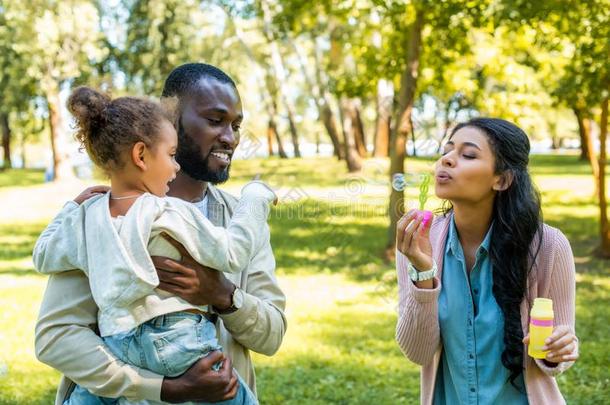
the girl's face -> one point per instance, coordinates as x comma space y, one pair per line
161, 167
465, 173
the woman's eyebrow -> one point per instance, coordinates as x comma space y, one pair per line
472, 144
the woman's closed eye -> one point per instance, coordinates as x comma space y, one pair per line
214, 121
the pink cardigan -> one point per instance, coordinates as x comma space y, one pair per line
418, 332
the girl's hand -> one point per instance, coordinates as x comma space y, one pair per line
90, 192
562, 345
413, 239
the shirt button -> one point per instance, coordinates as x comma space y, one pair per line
471, 356
472, 390
470, 322
476, 291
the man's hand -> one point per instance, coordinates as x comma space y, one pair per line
191, 281
202, 384
90, 192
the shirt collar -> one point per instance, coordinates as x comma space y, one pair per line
453, 240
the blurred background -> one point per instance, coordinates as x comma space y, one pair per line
338, 96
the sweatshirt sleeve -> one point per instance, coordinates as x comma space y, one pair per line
61, 246
562, 290
66, 341
226, 249
417, 329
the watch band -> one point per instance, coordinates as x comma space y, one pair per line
234, 307
416, 275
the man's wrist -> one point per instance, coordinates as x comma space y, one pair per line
169, 390
226, 303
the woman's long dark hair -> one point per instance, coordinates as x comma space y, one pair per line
517, 219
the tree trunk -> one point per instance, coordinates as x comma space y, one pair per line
325, 113
358, 126
601, 181
293, 131
61, 165
406, 98
413, 136
279, 71
6, 140
23, 152
385, 100
272, 127
270, 135
584, 131
352, 158
328, 119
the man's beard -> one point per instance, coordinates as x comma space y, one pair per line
188, 156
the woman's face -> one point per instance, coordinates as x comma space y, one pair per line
465, 173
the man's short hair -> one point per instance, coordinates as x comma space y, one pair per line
184, 77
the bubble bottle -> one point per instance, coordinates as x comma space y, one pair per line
541, 326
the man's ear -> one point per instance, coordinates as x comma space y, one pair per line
504, 181
138, 152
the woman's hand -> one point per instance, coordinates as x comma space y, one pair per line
562, 345
90, 192
413, 239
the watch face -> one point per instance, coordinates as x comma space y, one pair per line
238, 298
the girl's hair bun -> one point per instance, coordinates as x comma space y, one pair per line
88, 106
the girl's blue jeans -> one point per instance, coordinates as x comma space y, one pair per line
167, 345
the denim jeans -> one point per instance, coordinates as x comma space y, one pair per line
167, 345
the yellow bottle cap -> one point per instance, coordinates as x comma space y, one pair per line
544, 304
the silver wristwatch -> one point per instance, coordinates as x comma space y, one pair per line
416, 275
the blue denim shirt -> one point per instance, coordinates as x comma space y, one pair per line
472, 328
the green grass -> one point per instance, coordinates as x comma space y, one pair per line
328, 236
21, 177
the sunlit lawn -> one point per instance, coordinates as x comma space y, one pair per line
328, 236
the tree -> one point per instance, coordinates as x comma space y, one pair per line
428, 23
585, 84
60, 42
16, 89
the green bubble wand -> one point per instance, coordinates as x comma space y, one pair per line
423, 197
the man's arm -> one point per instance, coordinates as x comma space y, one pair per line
260, 323
66, 341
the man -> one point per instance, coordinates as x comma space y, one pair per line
250, 305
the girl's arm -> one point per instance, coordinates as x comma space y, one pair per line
60, 247
225, 249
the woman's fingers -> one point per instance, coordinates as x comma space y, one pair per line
559, 343
565, 350
410, 230
402, 224
560, 358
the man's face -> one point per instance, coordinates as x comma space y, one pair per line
208, 130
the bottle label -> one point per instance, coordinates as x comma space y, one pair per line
542, 322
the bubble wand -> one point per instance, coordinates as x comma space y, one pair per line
423, 197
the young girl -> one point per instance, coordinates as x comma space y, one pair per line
111, 237
467, 282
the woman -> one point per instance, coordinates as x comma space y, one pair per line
468, 280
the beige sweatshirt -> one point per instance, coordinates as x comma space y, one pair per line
66, 339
